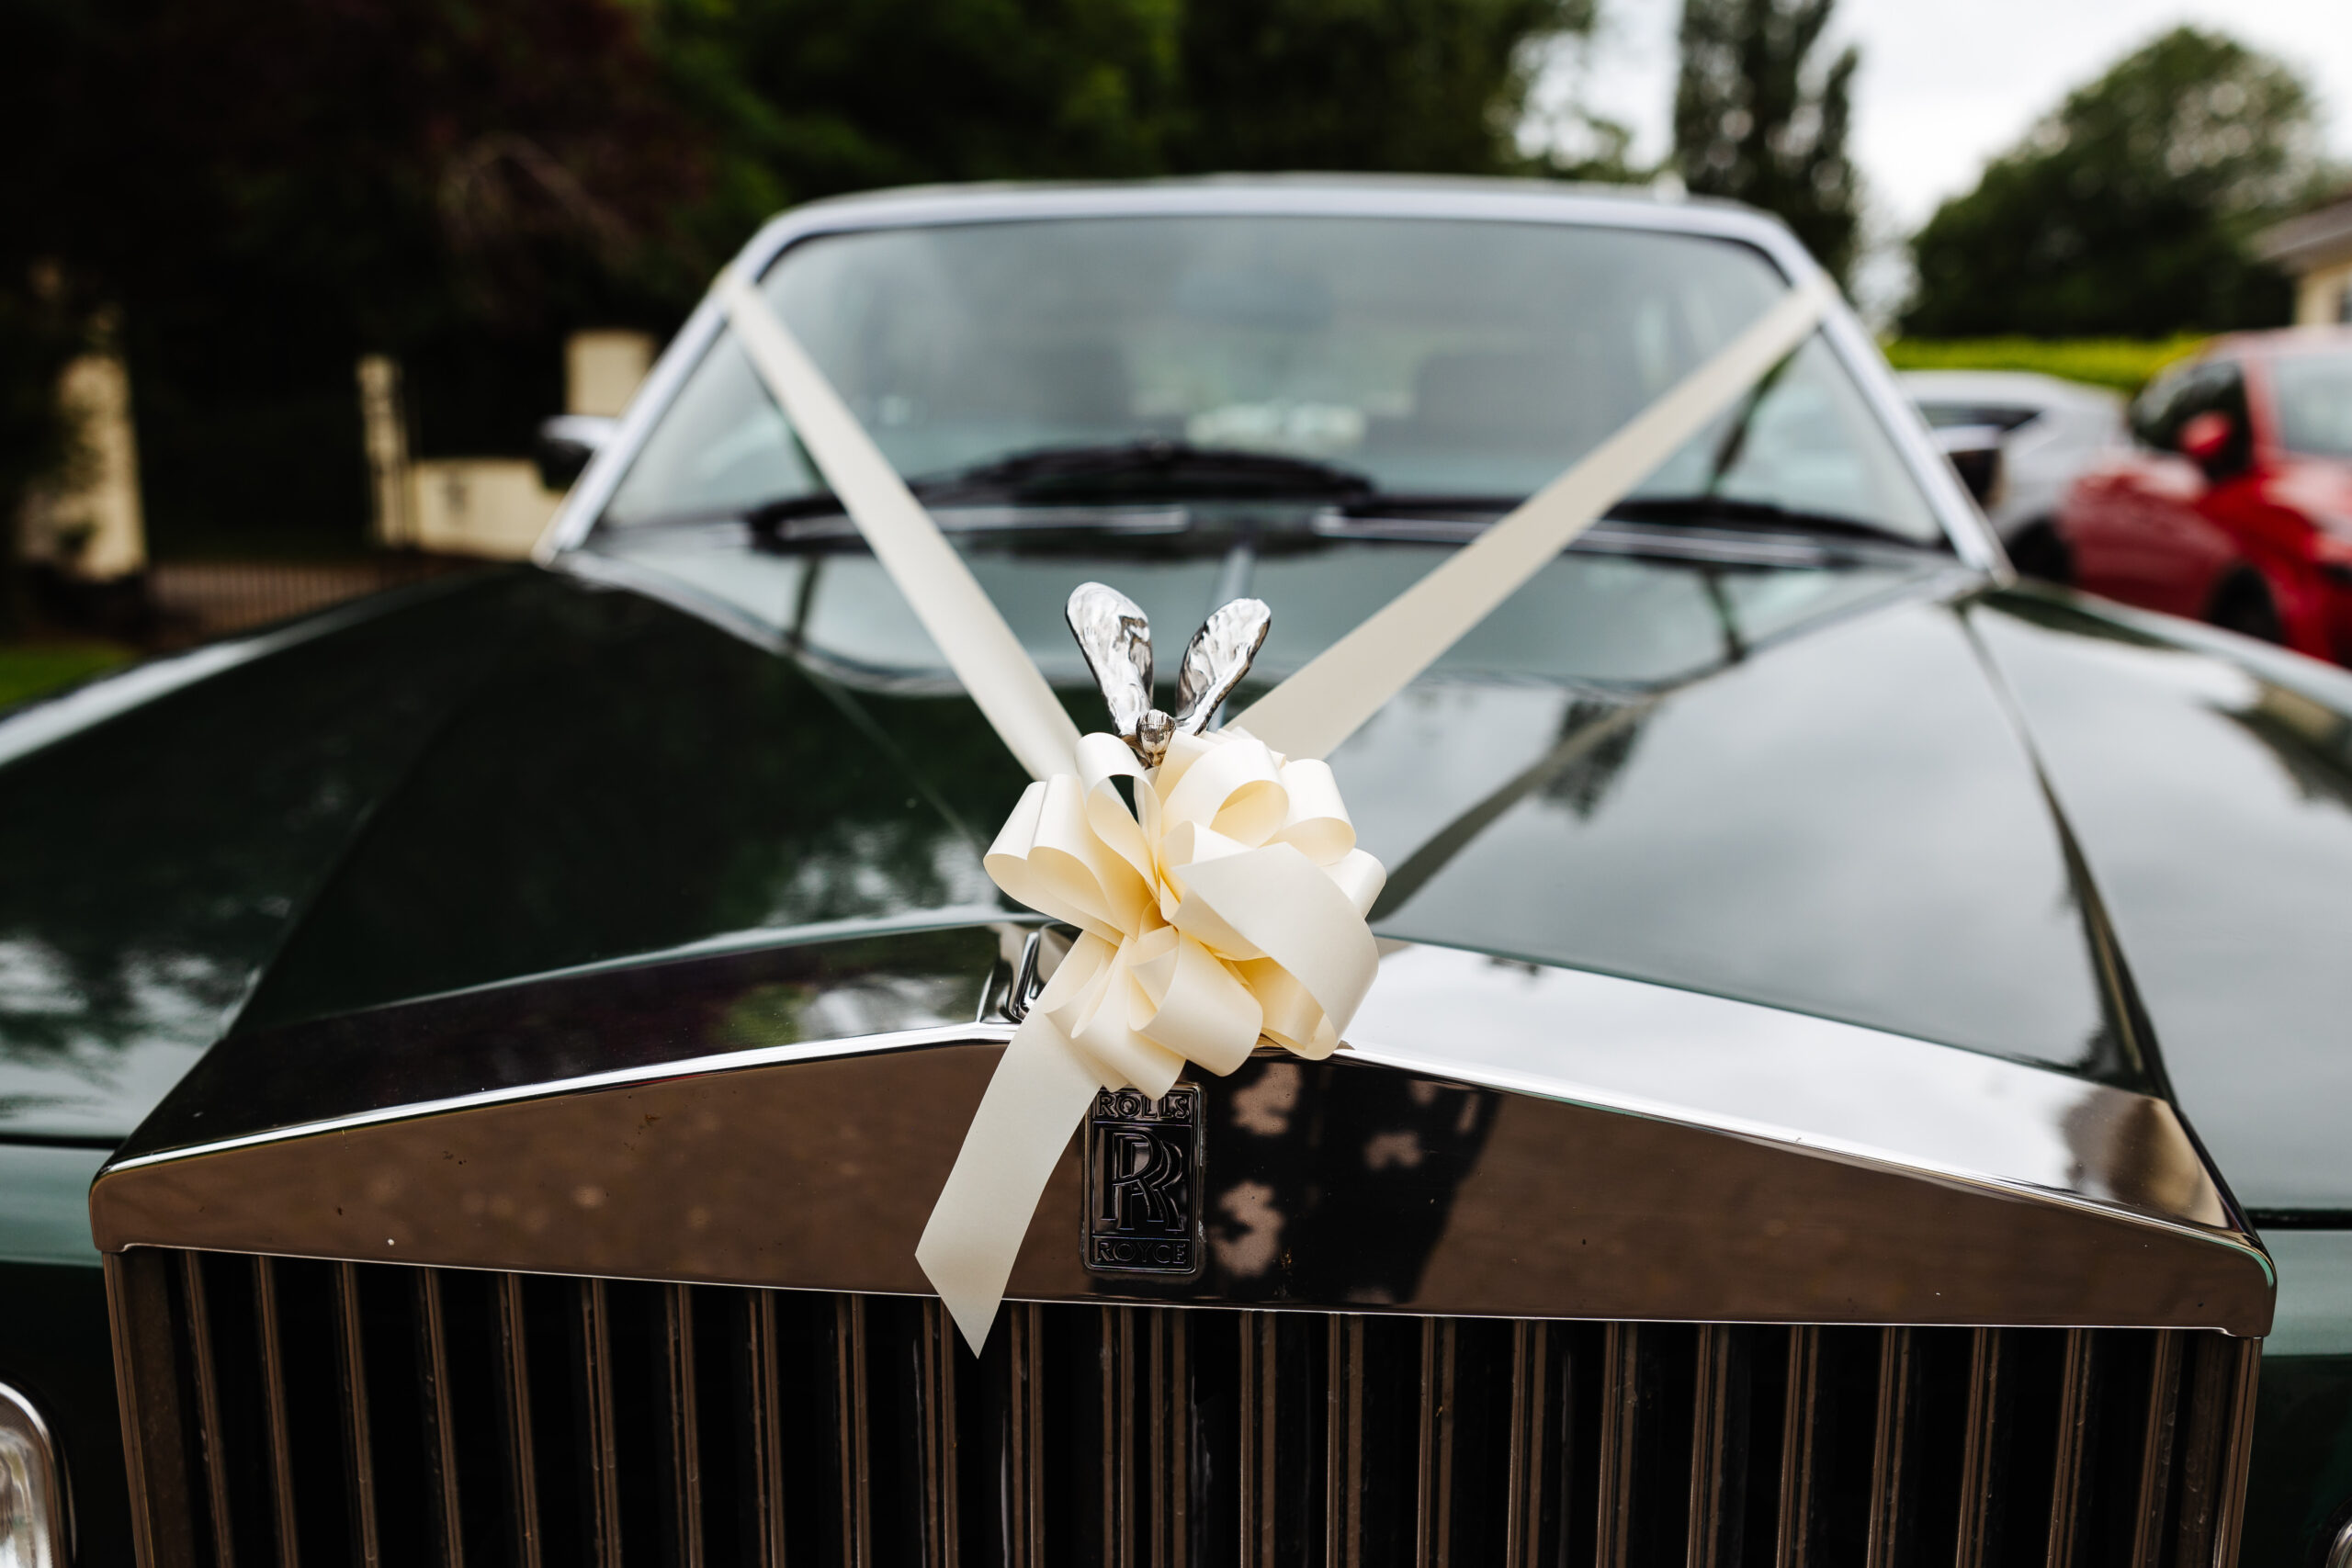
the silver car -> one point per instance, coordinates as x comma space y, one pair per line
2047, 432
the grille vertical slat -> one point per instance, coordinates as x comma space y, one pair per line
1718, 1447
358, 1460
1258, 1366
763, 1427
440, 1436
1151, 1438
681, 1439
1171, 1436
212, 1435
1343, 1444
592, 1370
1115, 1410
851, 1432
637, 1422
275, 1414
941, 1489
2156, 1453
154, 1441
1524, 1518
1980, 1450
1792, 1532
1621, 1403
1434, 1469
2201, 1468
1889, 1516
1023, 1477
514, 1409
2074, 1445
2243, 1359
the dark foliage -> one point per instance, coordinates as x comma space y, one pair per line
1756, 120
2128, 210
270, 187
1349, 84
267, 189
799, 98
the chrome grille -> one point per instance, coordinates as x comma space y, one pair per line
285, 1412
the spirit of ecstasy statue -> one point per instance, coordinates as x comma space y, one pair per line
1116, 636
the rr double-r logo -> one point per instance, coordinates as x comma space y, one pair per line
1143, 1164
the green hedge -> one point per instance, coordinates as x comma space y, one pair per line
2124, 364
34, 669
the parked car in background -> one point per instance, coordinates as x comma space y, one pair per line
2233, 502
2047, 432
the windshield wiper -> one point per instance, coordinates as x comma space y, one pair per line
1725, 512
1116, 472
1159, 470
1177, 471
1472, 515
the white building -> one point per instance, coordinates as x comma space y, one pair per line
2316, 248
483, 506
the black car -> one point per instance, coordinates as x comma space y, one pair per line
1850, 1078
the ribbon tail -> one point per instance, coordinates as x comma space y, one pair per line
1039, 1093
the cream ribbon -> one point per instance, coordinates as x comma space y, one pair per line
1324, 702
1230, 903
1225, 908
954, 608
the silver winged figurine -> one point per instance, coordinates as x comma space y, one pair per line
1116, 636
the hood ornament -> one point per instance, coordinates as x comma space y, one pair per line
1115, 635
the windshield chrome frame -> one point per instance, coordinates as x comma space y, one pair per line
1965, 529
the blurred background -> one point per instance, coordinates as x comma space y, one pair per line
287, 285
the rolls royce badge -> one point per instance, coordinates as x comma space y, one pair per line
1143, 1182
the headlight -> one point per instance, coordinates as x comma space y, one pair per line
32, 1497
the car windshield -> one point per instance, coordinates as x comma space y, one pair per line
2314, 394
1382, 361
1315, 411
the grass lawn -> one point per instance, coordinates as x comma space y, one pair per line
2124, 364
32, 670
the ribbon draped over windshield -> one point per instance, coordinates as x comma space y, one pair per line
1227, 905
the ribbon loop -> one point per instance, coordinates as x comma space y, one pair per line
1317, 823
1226, 907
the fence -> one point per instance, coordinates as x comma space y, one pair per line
204, 599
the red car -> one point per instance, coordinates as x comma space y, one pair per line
2234, 502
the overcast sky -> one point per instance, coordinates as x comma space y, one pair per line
1943, 86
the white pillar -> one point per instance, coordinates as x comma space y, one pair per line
384, 431
601, 370
88, 523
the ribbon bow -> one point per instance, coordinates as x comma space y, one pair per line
1228, 904
1220, 901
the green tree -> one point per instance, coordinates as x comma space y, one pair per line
2128, 210
803, 98
267, 189
1755, 121
1417, 85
